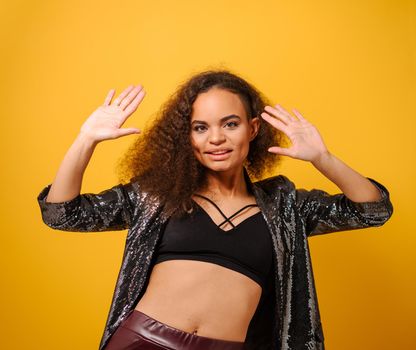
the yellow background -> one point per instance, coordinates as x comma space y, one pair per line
347, 66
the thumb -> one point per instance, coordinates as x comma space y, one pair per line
280, 150
128, 131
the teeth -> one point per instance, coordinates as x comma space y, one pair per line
219, 152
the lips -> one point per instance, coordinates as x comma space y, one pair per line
218, 152
219, 155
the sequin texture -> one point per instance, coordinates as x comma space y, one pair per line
287, 317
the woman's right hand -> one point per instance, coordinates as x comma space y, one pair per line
106, 121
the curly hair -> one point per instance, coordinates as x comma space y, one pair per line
162, 158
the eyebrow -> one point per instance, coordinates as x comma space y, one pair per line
222, 119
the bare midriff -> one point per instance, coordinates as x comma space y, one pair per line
201, 298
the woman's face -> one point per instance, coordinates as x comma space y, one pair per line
220, 130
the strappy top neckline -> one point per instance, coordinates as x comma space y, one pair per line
230, 217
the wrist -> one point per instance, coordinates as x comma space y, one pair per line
86, 140
322, 159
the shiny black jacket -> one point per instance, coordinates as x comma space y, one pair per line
287, 316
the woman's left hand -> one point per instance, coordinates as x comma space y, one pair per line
307, 143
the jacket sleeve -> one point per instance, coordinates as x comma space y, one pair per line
109, 210
325, 213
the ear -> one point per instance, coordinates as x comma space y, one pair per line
254, 127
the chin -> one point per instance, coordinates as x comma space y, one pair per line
219, 167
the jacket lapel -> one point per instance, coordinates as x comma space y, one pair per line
270, 212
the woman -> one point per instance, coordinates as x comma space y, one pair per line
212, 260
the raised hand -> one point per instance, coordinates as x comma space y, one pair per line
106, 121
307, 143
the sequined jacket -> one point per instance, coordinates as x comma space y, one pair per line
287, 316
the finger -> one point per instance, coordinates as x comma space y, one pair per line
297, 113
122, 95
274, 122
278, 113
109, 97
285, 112
135, 103
133, 93
127, 131
280, 150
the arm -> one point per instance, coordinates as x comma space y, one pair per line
326, 213
355, 186
109, 210
68, 180
363, 203
62, 206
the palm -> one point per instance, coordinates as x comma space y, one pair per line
307, 143
106, 121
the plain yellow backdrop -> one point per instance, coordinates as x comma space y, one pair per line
347, 66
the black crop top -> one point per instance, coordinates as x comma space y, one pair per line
246, 248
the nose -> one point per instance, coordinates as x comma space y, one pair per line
216, 136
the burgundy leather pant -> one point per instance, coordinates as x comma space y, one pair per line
140, 331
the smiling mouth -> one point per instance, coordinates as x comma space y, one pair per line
218, 156
219, 152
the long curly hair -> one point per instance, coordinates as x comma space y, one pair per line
162, 160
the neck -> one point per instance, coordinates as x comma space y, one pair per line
227, 184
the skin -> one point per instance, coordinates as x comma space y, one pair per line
193, 295
308, 145
210, 131
198, 296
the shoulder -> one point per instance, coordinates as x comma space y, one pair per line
140, 196
276, 183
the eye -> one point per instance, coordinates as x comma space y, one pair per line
232, 124
198, 128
